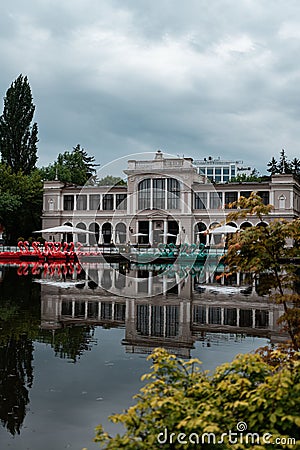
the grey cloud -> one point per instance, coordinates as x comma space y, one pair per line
199, 78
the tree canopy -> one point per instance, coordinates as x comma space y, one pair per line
18, 136
21, 199
283, 165
75, 167
110, 180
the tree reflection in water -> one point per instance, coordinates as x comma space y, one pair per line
16, 377
19, 326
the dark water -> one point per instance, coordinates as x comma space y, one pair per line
71, 356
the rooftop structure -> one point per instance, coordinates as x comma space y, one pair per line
219, 170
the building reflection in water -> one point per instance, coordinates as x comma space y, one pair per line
154, 309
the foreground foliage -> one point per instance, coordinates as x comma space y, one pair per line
250, 393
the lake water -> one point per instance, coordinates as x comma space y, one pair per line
74, 341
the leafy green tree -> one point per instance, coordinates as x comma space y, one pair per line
75, 167
21, 199
182, 407
261, 250
110, 180
18, 138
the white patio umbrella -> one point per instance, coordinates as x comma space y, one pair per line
139, 234
117, 237
225, 229
64, 229
168, 234
178, 239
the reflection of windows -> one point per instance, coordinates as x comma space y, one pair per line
214, 315
215, 200
157, 322
94, 202
106, 310
199, 314
68, 202
81, 202
142, 319
108, 202
200, 200
261, 318
121, 201
120, 309
230, 197
246, 318
172, 320
230, 317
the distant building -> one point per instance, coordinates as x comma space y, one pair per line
165, 201
221, 171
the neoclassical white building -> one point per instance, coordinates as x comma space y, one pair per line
165, 200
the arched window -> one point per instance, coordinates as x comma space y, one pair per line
107, 232
200, 235
120, 237
159, 193
245, 225
94, 238
81, 237
51, 204
282, 200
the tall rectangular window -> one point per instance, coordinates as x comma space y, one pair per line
159, 193
173, 188
265, 196
215, 200
108, 202
81, 202
121, 201
230, 197
245, 194
68, 202
200, 200
94, 202
144, 194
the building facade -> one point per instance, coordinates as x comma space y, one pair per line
221, 171
165, 200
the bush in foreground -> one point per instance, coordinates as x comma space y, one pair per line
248, 403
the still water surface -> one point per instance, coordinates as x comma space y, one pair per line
71, 357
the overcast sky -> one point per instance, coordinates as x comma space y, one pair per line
195, 78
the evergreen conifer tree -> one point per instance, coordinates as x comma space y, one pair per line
18, 139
